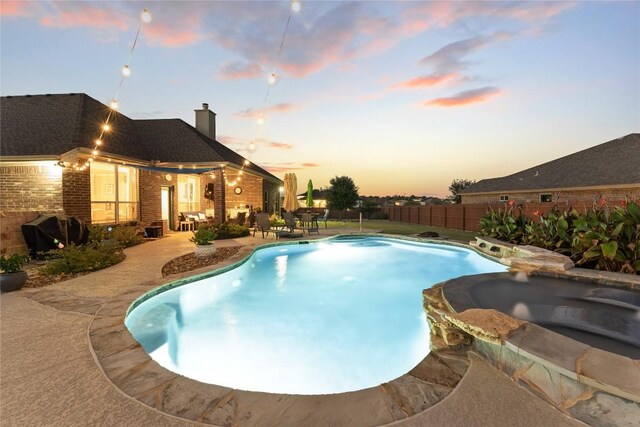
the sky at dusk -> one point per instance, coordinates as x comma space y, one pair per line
401, 96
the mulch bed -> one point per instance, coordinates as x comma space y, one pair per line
37, 279
190, 262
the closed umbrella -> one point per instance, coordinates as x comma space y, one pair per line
290, 186
310, 194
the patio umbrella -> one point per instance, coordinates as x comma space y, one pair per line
290, 186
310, 194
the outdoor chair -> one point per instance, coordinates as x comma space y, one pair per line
262, 224
324, 217
241, 218
290, 221
309, 223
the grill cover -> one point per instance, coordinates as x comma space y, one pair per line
41, 234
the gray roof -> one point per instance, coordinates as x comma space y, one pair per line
42, 125
616, 162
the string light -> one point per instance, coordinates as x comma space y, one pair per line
145, 16
295, 6
261, 120
272, 79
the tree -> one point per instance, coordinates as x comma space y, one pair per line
456, 187
342, 193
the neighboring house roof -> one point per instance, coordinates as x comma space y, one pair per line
613, 163
41, 125
316, 194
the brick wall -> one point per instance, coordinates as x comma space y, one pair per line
31, 187
251, 191
217, 204
26, 191
564, 197
151, 183
76, 194
273, 190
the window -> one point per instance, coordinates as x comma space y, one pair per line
544, 198
504, 198
114, 193
188, 193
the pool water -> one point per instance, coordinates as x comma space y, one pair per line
317, 318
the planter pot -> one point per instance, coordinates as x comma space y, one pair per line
12, 281
205, 250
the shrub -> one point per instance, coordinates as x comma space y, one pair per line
204, 235
98, 233
127, 235
76, 259
504, 224
231, 231
13, 263
601, 238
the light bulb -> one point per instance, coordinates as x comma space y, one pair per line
95, 152
126, 71
114, 104
91, 159
295, 6
98, 142
240, 173
272, 78
252, 146
106, 127
145, 16
261, 120
246, 162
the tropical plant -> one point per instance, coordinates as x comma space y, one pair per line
12, 263
204, 235
456, 187
504, 224
342, 194
552, 231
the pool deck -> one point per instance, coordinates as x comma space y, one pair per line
49, 376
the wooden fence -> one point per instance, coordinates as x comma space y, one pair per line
467, 216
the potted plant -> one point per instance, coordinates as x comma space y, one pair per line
12, 278
204, 238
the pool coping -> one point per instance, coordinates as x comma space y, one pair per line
130, 369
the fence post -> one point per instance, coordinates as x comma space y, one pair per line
445, 216
464, 219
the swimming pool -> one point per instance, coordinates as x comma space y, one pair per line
324, 317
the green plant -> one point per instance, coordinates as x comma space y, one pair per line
76, 259
204, 235
127, 235
609, 240
342, 194
13, 263
504, 224
98, 233
231, 231
552, 231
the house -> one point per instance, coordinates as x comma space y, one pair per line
610, 170
143, 170
319, 198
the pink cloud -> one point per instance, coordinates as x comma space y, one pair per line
280, 145
240, 70
171, 36
252, 113
14, 8
466, 97
425, 81
86, 15
287, 166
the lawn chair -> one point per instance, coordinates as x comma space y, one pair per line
324, 217
241, 218
308, 224
290, 221
262, 224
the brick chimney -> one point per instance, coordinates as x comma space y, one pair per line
206, 121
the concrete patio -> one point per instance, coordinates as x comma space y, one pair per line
49, 374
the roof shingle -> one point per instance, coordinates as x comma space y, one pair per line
615, 162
